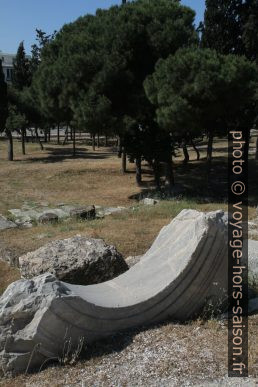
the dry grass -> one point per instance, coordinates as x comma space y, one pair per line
8, 275
54, 175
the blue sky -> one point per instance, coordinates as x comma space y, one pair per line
20, 18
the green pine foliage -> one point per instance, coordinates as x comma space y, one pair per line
3, 99
198, 89
21, 69
231, 27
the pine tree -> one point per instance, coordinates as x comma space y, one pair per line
222, 29
230, 27
36, 49
250, 29
21, 69
199, 90
3, 99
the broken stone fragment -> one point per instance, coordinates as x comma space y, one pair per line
5, 223
86, 213
48, 217
78, 260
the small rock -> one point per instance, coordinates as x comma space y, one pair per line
110, 210
5, 223
84, 212
48, 217
77, 260
150, 202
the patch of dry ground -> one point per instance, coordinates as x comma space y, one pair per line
54, 175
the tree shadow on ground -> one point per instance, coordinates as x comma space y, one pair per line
192, 183
60, 154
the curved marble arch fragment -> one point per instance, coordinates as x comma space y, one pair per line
185, 266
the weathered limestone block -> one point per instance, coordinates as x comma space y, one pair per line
84, 213
185, 267
5, 223
78, 260
48, 217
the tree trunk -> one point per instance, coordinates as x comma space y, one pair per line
106, 141
246, 135
124, 161
209, 154
38, 139
71, 134
58, 133
186, 154
45, 135
10, 144
74, 143
93, 142
25, 136
138, 164
32, 136
98, 140
210, 147
49, 134
23, 140
256, 154
196, 150
169, 173
156, 170
119, 147
66, 135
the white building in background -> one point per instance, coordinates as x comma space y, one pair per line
7, 64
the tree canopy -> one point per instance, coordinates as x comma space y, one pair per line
198, 89
110, 55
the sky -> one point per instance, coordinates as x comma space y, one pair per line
20, 18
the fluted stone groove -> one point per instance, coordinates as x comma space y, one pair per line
185, 267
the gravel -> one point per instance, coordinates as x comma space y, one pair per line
193, 354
